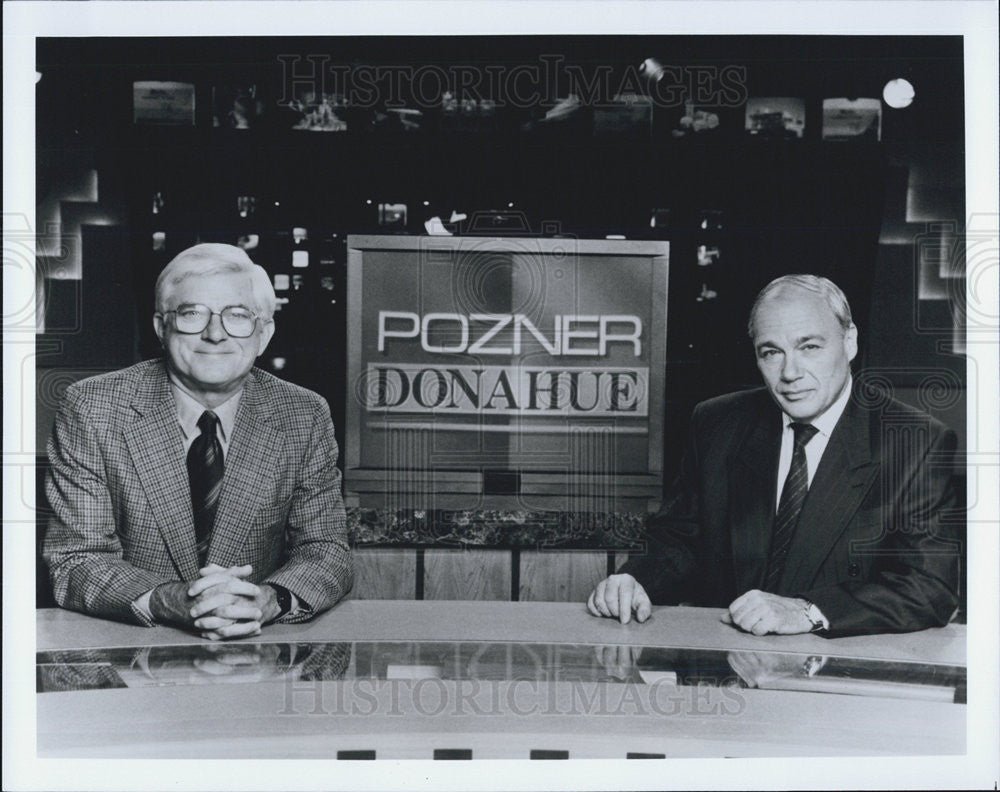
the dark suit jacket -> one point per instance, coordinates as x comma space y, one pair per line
870, 549
118, 487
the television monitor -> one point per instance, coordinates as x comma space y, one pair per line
508, 373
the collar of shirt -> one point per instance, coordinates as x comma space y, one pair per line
189, 411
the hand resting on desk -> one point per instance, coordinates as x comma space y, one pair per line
618, 597
757, 612
761, 613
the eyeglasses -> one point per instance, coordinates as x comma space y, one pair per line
237, 321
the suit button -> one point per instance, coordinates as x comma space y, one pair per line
853, 570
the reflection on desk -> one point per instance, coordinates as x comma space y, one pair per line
192, 664
235, 663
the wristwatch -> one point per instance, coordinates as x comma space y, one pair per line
284, 598
815, 616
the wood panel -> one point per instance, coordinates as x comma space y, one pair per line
467, 574
567, 576
385, 573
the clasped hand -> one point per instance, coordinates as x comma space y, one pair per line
220, 604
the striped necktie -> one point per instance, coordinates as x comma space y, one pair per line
205, 466
793, 495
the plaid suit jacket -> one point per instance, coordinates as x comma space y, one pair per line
119, 491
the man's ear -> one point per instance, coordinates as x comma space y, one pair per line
851, 342
158, 326
266, 333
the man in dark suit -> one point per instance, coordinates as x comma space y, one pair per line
823, 514
197, 490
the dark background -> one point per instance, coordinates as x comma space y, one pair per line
863, 213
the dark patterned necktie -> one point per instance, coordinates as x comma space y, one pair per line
793, 495
205, 466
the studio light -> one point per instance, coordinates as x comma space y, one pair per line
898, 93
651, 69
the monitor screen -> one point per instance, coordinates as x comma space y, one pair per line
528, 369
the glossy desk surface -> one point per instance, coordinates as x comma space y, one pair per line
381, 679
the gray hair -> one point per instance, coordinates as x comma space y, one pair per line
212, 258
823, 287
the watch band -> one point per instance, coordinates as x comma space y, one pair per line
814, 615
284, 598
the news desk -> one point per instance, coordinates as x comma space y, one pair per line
468, 680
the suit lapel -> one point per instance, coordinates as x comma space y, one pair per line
752, 484
254, 450
841, 481
156, 445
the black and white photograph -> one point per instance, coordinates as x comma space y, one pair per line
619, 383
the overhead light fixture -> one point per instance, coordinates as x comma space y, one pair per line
651, 69
898, 93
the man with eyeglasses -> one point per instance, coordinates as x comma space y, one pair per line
197, 490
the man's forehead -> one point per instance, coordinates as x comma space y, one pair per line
800, 312
221, 281
791, 302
